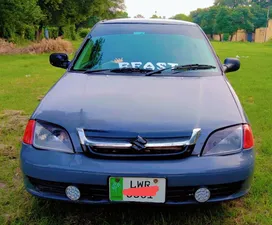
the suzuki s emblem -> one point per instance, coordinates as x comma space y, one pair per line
139, 144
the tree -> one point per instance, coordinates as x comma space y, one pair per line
262, 3
209, 20
182, 17
122, 14
223, 22
206, 18
139, 16
79, 13
259, 16
197, 16
155, 17
218, 19
230, 3
18, 15
113, 8
61, 13
52, 11
242, 17
104, 9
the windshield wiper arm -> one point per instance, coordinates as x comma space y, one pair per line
130, 70
94, 71
120, 70
184, 67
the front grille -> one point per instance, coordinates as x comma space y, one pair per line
127, 145
147, 153
101, 192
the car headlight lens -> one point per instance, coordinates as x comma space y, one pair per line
224, 142
51, 137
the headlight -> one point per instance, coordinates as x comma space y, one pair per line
224, 142
51, 137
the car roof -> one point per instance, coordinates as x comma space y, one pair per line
147, 21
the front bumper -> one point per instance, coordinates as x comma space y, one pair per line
47, 173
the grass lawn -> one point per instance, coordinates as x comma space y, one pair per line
26, 78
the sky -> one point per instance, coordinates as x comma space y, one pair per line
165, 8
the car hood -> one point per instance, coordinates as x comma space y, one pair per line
137, 104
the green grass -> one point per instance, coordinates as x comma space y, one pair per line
19, 91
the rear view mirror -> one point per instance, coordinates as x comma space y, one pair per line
59, 60
231, 65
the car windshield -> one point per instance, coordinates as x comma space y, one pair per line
145, 46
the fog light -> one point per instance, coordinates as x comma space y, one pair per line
72, 193
202, 195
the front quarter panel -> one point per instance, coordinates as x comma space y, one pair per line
238, 103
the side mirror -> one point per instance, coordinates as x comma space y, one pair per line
231, 65
59, 60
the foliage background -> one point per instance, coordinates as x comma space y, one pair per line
27, 20
20, 19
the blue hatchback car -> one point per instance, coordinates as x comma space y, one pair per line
144, 113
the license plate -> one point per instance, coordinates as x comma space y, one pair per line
128, 189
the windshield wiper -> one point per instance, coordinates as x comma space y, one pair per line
150, 72
94, 71
194, 67
130, 70
121, 70
184, 67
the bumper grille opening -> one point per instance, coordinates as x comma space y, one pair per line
177, 194
90, 192
101, 192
